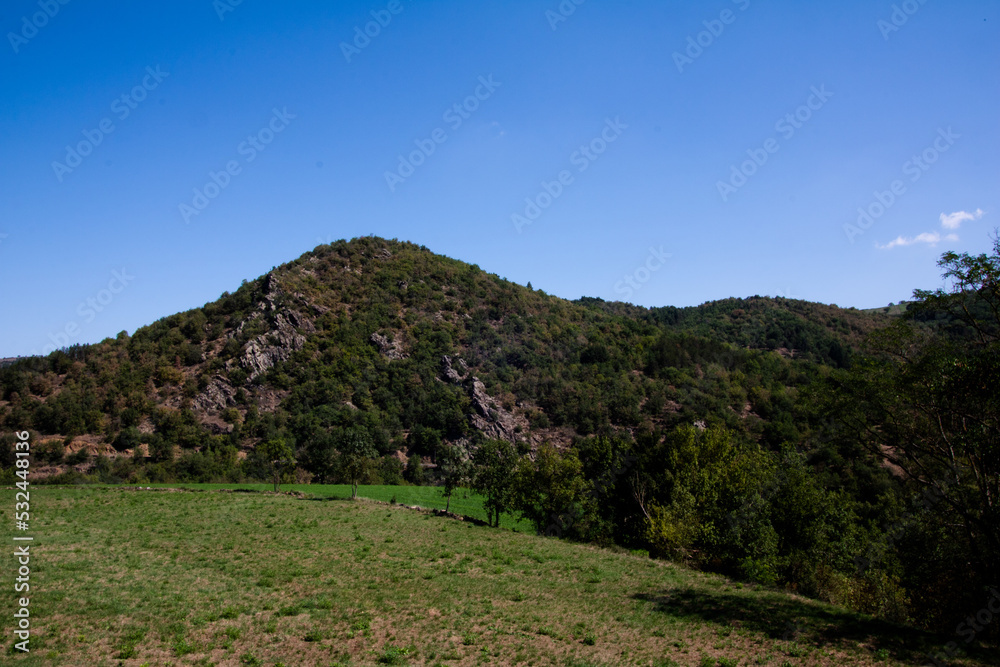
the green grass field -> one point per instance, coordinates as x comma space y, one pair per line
202, 577
463, 501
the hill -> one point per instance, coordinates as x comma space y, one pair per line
773, 440
390, 336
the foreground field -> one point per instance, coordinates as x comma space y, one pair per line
167, 577
463, 501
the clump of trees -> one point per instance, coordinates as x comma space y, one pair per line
925, 400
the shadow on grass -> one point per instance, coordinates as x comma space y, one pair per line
804, 623
427, 510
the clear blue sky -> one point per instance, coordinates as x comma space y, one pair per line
673, 127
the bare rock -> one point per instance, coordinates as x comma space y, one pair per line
218, 395
277, 345
491, 418
390, 349
449, 373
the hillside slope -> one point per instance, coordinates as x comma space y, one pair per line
389, 336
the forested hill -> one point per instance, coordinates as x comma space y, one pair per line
356, 333
846, 455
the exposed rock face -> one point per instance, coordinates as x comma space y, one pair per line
390, 349
449, 373
218, 395
277, 345
283, 338
490, 418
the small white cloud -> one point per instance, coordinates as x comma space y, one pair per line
955, 220
930, 238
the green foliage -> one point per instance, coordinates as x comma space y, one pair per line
455, 470
274, 457
391, 470
495, 462
550, 491
414, 472
356, 451
926, 400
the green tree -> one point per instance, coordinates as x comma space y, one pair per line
550, 490
707, 502
493, 476
926, 400
391, 470
356, 451
455, 470
160, 449
278, 458
414, 472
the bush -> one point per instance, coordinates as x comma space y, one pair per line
49, 453
391, 471
414, 473
77, 457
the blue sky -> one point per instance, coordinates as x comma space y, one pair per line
654, 138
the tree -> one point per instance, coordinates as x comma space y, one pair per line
455, 469
356, 452
550, 490
278, 458
414, 473
926, 401
494, 462
391, 471
160, 450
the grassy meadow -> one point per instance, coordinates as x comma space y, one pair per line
209, 577
463, 501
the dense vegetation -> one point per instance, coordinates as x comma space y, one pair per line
778, 441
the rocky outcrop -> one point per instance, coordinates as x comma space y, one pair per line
390, 349
489, 416
450, 374
283, 336
492, 419
218, 395
275, 346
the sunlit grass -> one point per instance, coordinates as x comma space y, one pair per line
165, 577
463, 501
